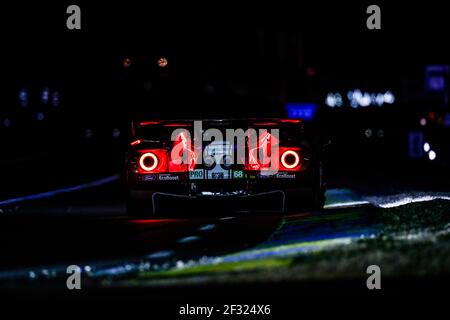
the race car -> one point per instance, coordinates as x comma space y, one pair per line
245, 159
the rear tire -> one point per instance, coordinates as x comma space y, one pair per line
317, 199
138, 208
300, 201
313, 200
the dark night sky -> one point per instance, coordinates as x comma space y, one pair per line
220, 39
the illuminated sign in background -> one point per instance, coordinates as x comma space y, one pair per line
305, 111
436, 77
356, 99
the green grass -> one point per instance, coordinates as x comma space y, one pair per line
228, 267
415, 241
417, 216
426, 253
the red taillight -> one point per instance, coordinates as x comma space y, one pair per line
183, 155
136, 142
259, 156
148, 161
290, 159
152, 161
290, 120
258, 124
148, 123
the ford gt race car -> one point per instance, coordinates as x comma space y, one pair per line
272, 161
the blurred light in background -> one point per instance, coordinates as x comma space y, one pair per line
40, 116
116, 133
334, 100
379, 99
426, 147
126, 62
389, 97
7, 123
357, 95
330, 100
350, 95
423, 122
435, 76
432, 155
357, 99
23, 97
415, 144
447, 120
162, 62
365, 100
305, 111
338, 98
45, 96
55, 99
380, 133
368, 133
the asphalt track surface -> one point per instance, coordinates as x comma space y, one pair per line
86, 225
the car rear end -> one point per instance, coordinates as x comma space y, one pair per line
216, 169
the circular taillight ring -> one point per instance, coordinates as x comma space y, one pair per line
146, 156
290, 153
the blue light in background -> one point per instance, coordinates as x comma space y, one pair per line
23, 97
305, 111
436, 77
55, 99
45, 95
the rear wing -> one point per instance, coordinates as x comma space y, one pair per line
220, 123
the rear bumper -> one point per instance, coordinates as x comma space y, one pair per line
267, 201
253, 184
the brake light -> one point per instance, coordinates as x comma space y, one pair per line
136, 142
152, 161
265, 124
183, 156
148, 123
148, 161
259, 157
290, 159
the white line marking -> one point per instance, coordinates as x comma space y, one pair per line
410, 199
53, 193
188, 239
227, 218
160, 254
207, 227
346, 204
